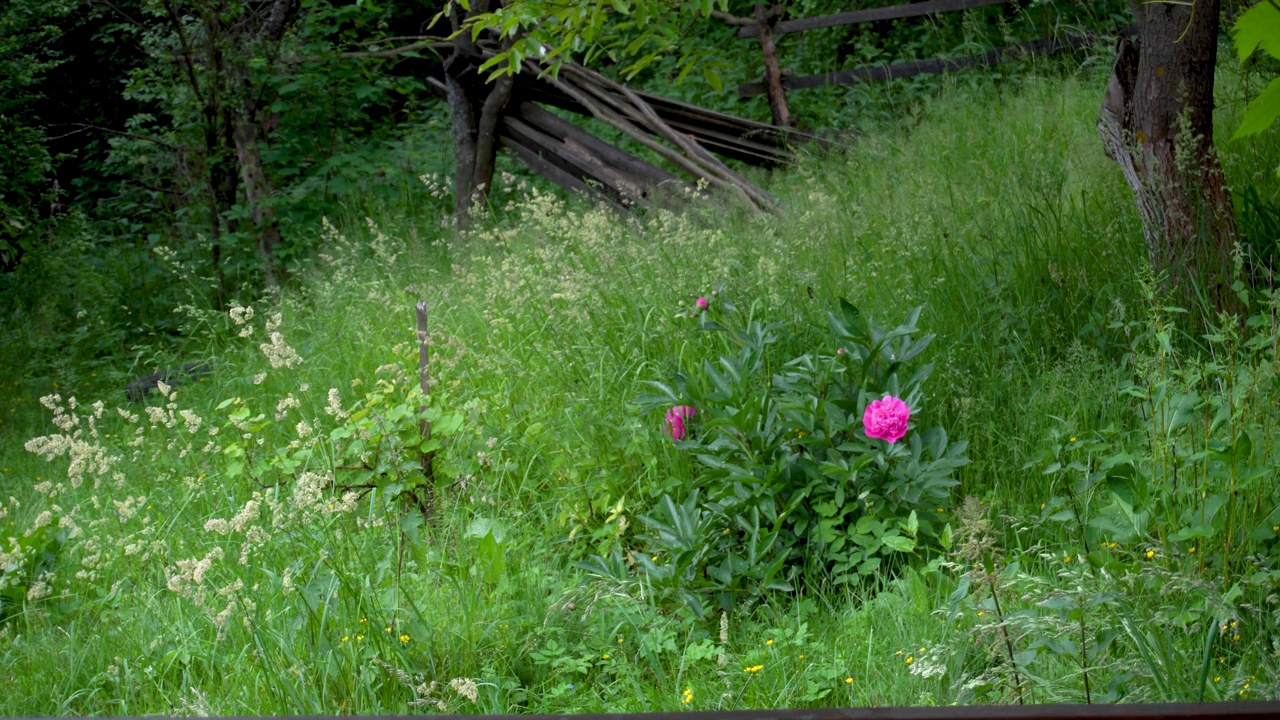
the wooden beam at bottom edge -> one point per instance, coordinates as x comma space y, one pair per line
1249, 710
896, 71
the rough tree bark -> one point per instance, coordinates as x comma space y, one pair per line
1157, 123
251, 129
475, 107
233, 128
257, 192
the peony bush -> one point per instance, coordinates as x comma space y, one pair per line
809, 470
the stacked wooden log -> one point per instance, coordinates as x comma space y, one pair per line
685, 136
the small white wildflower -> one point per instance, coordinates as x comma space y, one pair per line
466, 687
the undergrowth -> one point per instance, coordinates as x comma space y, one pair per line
264, 539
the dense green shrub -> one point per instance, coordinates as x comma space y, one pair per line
791, 487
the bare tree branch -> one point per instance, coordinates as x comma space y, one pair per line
430, 43
732, 19
90, 126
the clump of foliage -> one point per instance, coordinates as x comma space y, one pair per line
1258, 31
1020, 244
790, 483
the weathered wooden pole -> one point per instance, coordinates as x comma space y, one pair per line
777, 94
425, 496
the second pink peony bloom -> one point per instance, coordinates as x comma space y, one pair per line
676, 418
886, 419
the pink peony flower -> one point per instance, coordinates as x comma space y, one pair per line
702, 303
675, 420
886, 419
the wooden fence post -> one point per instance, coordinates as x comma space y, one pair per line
425, 495
765, 18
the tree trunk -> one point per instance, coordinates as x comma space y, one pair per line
1157, 123
475, 109
257, 191
772, 72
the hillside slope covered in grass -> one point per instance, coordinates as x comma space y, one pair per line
253, 543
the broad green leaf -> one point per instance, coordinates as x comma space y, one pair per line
492, 561
713, 78
448, 425
1258, 28
1261, 112
899, 543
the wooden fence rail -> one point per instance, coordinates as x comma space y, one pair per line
775, 83
1249, 710
1031, 48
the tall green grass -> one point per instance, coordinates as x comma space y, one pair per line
997, 212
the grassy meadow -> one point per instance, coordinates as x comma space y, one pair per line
244, 545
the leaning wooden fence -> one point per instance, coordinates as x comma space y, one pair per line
766, 25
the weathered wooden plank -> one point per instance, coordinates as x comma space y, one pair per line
739, 138
670, 109
532, 159
559, 127
854, 17
926, 67
536, 161
736, 147
575, 160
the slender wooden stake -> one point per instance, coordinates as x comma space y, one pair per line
425, 496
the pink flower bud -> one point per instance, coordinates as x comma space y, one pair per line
702, 303
886, 419
676, 418
839, 351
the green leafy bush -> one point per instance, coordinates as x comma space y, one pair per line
790, 485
